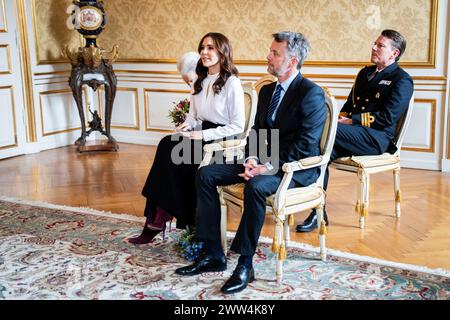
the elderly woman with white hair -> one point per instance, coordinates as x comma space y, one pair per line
216, 112
186, 65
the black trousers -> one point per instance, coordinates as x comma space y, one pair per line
352, 140
208, 205
171, 186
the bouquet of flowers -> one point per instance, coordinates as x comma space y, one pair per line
189, 248
179, 112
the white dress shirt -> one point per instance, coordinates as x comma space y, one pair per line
284, 87
225, 108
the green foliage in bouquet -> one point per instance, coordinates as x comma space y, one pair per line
179, 112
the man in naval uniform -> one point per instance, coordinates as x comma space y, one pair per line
378, 99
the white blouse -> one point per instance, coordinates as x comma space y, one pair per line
226, 108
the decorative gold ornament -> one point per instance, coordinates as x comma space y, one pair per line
323, 229
358, 207
398, 196
282, 254
91, 56
291, 220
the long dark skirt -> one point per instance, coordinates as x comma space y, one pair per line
171, 186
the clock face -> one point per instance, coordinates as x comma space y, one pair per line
90, 18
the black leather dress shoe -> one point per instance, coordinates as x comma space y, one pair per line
239, 280
310, 223
206, 264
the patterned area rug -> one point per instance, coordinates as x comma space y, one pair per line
54, 252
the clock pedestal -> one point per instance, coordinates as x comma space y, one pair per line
92, 66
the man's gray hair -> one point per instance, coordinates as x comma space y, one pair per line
297, 45
187, 62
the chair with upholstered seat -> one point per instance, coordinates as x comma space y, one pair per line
364, 166
286, 202
232, 148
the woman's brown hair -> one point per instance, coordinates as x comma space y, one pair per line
227, 67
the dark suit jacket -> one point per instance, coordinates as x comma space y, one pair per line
379, 104
300, 119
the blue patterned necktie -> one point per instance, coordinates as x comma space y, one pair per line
273, 105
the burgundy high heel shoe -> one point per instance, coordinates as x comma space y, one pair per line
160, 222
146, 236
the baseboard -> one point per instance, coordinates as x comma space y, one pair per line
153, 140
420, 164
446, 165
33, 147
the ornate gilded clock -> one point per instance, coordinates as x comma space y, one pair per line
88, 18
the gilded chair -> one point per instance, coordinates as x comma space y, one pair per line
364, 166
232, 148
286, 202
267, 79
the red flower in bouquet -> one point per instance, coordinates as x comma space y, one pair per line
179, 112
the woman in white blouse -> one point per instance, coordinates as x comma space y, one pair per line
216, 112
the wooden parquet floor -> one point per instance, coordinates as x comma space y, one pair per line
113, 182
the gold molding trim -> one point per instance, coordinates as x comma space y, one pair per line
16, 144
67, 72
147, 111
136, 97
341, 98
147, 72
430, 63
431, 90
8, 59
152, 81
258, 75
50, 62
433, 33
432, 147
27, 71
50, 92
3, 12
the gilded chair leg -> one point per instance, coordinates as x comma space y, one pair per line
398, 193
279, 248
276, 239
280, 258
322, 232
223, 227
363, 206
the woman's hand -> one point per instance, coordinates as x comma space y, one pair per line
345, 120
182, 127
194, 135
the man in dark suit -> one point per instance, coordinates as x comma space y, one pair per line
379, 98
296, 108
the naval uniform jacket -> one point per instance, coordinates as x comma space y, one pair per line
378, 104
